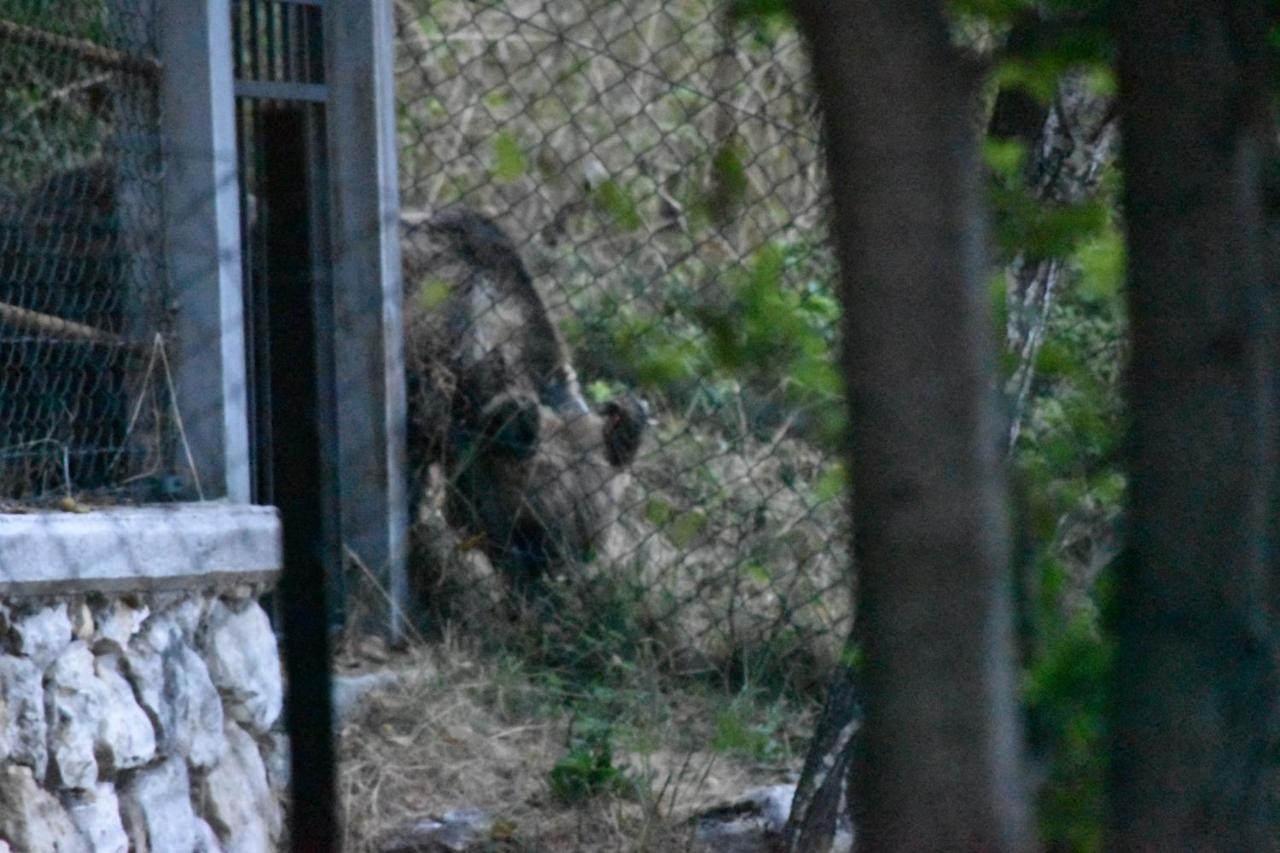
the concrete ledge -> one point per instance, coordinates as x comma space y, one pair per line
119, 549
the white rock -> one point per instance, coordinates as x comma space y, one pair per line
350, 690
117, 622
22, 724
173, 685
81, 621
42, 635
199, 720
74, 710
31, 819
244, 662
96, 814
458, 831
155, 804
749, 824
206, 838
187, 615
125, 737
274, 747
236, 799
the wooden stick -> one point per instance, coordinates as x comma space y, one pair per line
81, 48
35, 321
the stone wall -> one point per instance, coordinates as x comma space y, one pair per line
140, 722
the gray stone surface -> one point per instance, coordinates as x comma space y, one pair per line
43, 634
117, 621
206, 839
274, 747
236, 799
244, 663
169, 546
96, 814
31, 819
155, 805
173, 685
22, 724
125, 738
458, 831
750, 824
73, 708
82, 625
350, 690
186, 615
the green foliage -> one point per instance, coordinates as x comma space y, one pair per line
729, 183
1067, 707
753, 730
616, 201
510, 162
588, 770
783, 331
1069, 460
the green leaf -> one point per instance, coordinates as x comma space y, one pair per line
750, 10
617, 202
432, 294
598, 391
1005, 157
728, 183
686, 528
831, 483
510, 162
658, 511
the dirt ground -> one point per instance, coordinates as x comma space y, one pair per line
457, 729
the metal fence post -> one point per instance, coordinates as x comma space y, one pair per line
202, 216
368, 346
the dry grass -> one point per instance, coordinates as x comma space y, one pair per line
463, 731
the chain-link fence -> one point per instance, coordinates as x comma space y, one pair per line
657, 168
82, 292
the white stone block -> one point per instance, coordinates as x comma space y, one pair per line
244, 663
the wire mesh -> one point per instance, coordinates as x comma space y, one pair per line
657, 168
82, 288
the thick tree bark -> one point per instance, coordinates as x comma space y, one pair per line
1195, 686
940, 761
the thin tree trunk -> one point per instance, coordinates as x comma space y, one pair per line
940, 764
821, 802
1195, 687
1067, 156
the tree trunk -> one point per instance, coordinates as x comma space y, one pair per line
821, 803
1195, 687
940, 764
1068, 151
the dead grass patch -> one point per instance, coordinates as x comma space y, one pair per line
459, 730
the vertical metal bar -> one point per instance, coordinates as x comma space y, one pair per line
255, 41
202, 224
367, 294
237, 40
296, 420
327, 400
